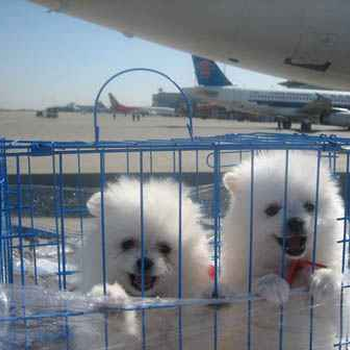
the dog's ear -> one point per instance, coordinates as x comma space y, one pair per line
94, 204
230, 181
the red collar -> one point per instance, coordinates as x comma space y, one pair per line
297, 265
294, 267
211, 272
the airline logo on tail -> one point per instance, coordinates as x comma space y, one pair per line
208, 73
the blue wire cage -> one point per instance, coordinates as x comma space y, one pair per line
42, 224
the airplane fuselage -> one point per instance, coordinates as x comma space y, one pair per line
305, 40
271, 102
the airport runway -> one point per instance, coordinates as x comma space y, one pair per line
76, 126
79, 127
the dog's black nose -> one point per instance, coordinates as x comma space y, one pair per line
147, 264
296, 225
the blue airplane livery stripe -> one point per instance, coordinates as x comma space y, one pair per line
291, 104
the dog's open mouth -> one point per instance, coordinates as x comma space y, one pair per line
294, 245
148, 281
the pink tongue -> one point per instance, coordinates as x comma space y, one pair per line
147, 279
294, 243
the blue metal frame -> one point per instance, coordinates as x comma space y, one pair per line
187, 101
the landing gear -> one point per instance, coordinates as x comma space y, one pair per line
283, 123
279, 123
306, 126
287, 124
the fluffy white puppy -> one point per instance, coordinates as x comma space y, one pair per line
159, 229
257, 235
162, 223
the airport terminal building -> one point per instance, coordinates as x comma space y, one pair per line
167, 99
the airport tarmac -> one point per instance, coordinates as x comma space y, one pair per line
76, 126
79, 127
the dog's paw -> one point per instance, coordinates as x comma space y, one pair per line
324, 284
116, 295
273, 288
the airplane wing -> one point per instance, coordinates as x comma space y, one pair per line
321, 105
292, 84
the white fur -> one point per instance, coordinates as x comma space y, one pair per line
160, 225
273, 288
116, 294
123, 327
161, 211
269, 187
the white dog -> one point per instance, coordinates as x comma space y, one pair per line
161, 228
153, 271
117, 329
283, 224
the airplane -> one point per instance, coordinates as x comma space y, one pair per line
285, 106
117, 107
301, 40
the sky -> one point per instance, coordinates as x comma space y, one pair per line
48, 58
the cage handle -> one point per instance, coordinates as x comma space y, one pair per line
189, 123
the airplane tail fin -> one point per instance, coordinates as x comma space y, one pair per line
114, 103
208, 73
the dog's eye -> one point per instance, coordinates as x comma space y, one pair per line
309, 207
272, 209
128, 244
164, 248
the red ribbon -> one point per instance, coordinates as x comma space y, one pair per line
292, 271
211, 272
297, 265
